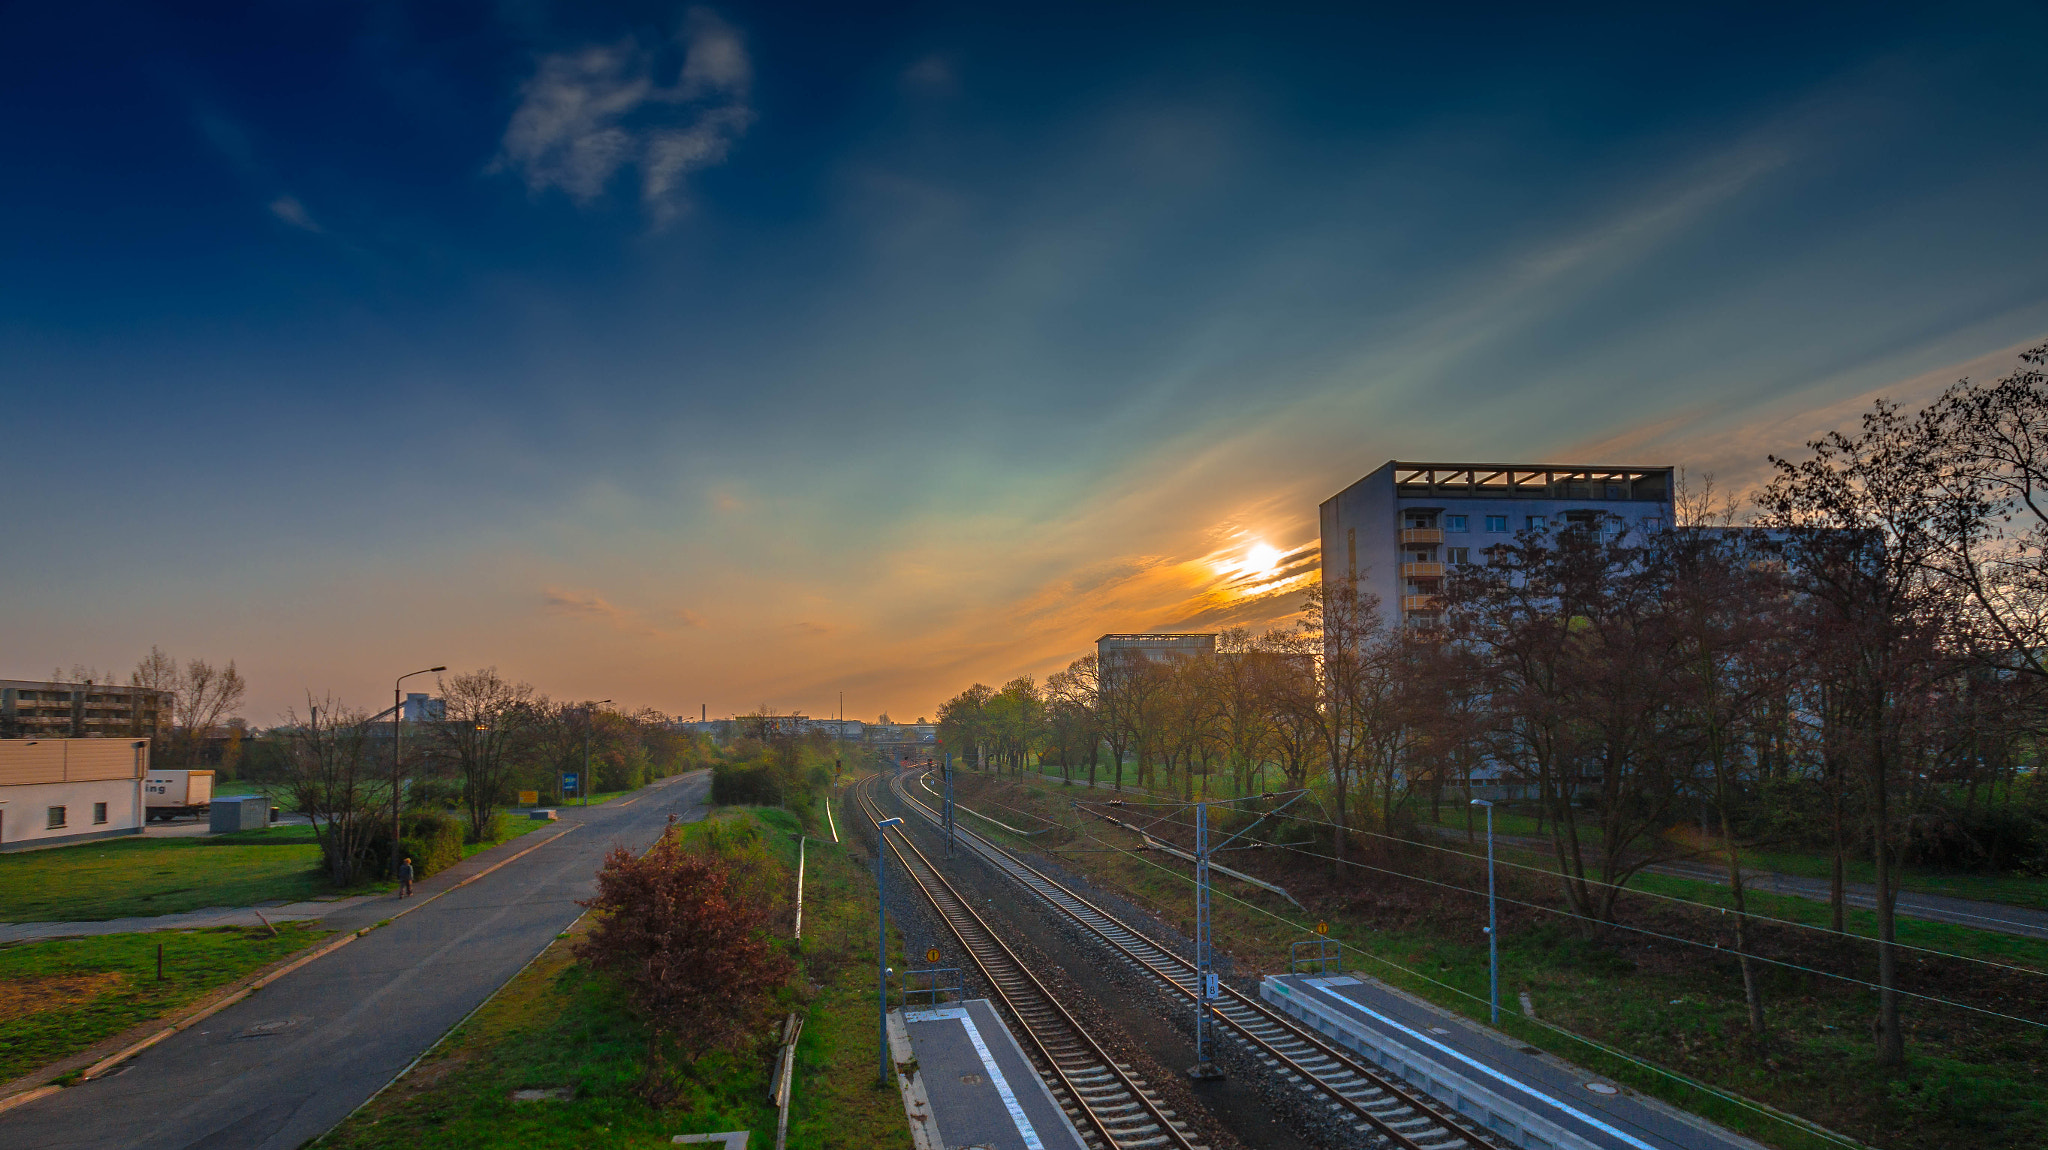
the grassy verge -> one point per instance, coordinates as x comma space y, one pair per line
140, 876
1969, 1080
61, 996
557, 1026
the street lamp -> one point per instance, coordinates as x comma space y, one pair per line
1492, 919
583, 784
882, 950
397, 714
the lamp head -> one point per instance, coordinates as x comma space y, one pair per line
431, 670
889, 823
1481, 803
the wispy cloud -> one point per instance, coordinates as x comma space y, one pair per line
586, 604
588, 114
291, 211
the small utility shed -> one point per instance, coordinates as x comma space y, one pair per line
66, 790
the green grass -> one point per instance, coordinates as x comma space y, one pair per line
558, 1025
61, 996
1969, 1080
141, 876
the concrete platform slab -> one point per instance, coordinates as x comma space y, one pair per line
1531, 1099
981, 1088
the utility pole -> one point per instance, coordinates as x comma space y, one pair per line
583, 784
397, 716
949, 804
882, 948
1492, 919
1205, 973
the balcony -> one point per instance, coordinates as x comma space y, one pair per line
1430, 570
1422, 535
1428, 603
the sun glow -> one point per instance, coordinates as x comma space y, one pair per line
1261, 559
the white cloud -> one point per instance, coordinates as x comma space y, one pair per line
291, 211
586, 115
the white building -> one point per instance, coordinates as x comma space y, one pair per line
67, 790
1396, 532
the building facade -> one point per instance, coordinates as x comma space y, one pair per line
66, 790
1395, 533
1115, 653
32, 708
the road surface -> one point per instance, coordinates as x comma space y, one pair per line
290, 1061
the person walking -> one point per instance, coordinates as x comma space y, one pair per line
405, 878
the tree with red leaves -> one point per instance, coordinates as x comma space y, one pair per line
677, 929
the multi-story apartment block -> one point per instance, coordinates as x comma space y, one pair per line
37, 709
1396, 532
1114, 653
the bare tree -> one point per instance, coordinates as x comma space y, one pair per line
202, 698
330, 776
488, 725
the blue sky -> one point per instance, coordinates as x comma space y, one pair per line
739, 355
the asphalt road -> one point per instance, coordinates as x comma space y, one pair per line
290, 1061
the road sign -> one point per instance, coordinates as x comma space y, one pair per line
568, 782
1322, 928
529, 798
931, 954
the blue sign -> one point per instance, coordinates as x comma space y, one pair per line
568, 782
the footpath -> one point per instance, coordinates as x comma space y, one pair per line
1974, 913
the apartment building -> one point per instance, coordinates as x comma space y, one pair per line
32, 708
1116, 652
1396, 532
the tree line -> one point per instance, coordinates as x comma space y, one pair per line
1852, 662
495, 738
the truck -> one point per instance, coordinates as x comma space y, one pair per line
170, 794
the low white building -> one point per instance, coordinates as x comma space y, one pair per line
69, 790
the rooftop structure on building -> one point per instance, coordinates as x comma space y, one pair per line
1112, 651
37, 708
1398, 531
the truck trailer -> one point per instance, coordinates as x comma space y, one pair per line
170, 794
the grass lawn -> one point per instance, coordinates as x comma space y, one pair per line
61, 996
1969, 1080
139, 875
557, 1025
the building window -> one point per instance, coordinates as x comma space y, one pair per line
1652, 524
1538, 522
1614, 492
1496, 523
1455, 523
1457, 556
99, 813
56, 817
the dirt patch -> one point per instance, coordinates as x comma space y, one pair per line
22, 997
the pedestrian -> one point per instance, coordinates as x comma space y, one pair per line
405, 878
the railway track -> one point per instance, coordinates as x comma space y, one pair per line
1110, 1106
1372, 1101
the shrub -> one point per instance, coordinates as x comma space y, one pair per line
433, 841
746, 784
679, 931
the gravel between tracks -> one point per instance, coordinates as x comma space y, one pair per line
1252, 1106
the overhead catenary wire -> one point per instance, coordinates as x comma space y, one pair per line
1687, 1080
1752, 915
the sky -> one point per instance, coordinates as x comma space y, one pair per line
731, 356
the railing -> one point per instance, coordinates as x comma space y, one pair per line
1423, 570
1422, 535
1422, 603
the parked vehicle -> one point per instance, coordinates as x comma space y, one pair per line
170, 794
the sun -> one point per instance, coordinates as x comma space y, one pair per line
1262, 558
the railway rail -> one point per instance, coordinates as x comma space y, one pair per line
1111, 1107
1368, 1096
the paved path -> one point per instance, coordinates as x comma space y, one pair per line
199, 919
1992, 916
290, 1061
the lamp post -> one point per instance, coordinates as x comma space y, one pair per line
882, 950
583, 784
398, 714
1492, 919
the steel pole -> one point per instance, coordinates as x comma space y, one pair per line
1492, 924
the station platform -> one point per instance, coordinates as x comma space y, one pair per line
1528, 1098
967, 1084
